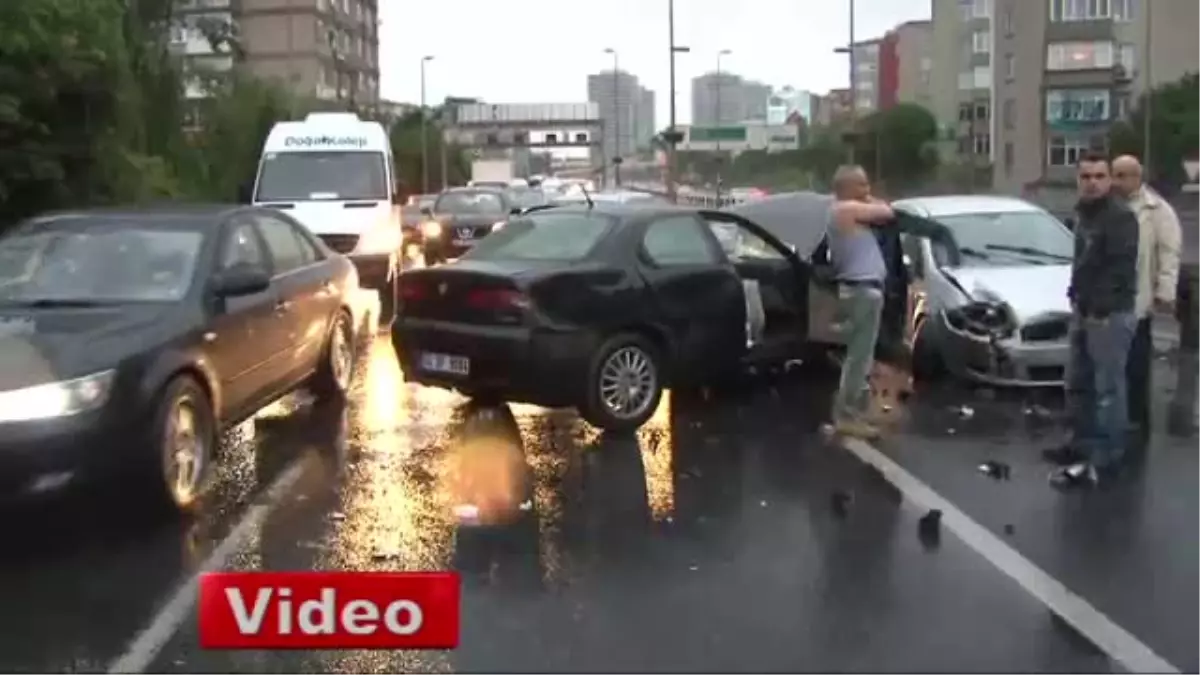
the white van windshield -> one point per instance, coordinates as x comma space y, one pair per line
315, 176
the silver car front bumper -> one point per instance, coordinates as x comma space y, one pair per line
1007, 362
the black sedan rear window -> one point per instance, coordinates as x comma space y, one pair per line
544, 235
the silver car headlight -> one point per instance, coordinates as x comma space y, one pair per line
56, 399
985, 319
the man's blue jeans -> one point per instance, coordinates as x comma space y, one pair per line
1096, 395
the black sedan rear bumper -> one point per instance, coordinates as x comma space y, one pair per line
527, 365
44, 455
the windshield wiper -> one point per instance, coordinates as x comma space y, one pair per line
974, 253
1027, 250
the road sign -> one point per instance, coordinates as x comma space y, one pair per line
1192, 167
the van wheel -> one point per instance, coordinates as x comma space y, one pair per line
183, 441
331, 382
625, 383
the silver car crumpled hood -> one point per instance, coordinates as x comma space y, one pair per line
1032, 292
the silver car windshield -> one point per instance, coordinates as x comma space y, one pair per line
109, 263
1006, 239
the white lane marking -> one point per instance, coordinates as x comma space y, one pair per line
148, 643
1119, 644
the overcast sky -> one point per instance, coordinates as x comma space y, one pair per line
534, 51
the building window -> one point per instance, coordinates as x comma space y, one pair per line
1010, 66
981, 42
1067, 150
983, 144
1080, 10
1124, 10
1008, 113
964, 112
966, 10
983, 111
1121, 107
1079, 55
982, 76
1009, 158
1009, 21
981, 9
1127, 57
1070, 106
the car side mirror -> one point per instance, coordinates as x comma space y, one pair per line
239, 280
426, 211
516, 210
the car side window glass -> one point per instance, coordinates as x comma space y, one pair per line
739, 243
243, 247
288, 251
678, 240
912, 254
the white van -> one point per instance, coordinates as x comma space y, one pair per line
333, 172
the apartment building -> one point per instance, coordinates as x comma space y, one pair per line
866, 84
726, 98
626, 109
909, 65
961, 93
325, 49
1068, 69
832, 108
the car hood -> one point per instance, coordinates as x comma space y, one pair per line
1034, 291
41, 346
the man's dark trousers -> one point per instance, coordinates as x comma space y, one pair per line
1138, 368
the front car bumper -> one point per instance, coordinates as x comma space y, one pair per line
44, 455
1002, 361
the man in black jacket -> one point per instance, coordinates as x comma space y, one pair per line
1102, 292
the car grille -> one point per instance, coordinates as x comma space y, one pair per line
1046, 373
342, 243
1045, 331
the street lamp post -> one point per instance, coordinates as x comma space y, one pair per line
1147, 96
616, 116
424, 132
717, 120
673, 135
848, 50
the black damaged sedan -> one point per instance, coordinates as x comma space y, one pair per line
130, 339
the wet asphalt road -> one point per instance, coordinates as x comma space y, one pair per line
707, 543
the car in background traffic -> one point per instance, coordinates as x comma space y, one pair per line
130, 339
991, 299
461, 217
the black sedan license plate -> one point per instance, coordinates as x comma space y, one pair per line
445, 363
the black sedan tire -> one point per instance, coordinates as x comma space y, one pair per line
335, 371
624, 384
182, 443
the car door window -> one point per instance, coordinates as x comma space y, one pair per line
289, 250
678, 240
739, 243
243, 247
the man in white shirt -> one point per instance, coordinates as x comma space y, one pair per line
1159, 243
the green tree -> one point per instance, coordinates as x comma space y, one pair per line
897, 145
1174, 134
407, 154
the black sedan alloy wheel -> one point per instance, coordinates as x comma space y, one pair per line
625, 383
186, 442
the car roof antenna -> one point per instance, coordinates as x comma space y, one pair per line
591, 204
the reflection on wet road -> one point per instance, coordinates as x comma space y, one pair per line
726, 535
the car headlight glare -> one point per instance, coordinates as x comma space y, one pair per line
431, 229
380, 240
56, 399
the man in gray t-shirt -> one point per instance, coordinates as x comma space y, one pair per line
860, 273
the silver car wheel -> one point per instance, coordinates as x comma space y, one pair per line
628, 382
341, 354
185, 452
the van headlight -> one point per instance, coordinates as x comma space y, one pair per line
56, 399
431, 229
379, 240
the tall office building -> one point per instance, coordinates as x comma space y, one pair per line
1068, 69
623, 102
725, 98
962, 91
646, 120
327, 49
867, 58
